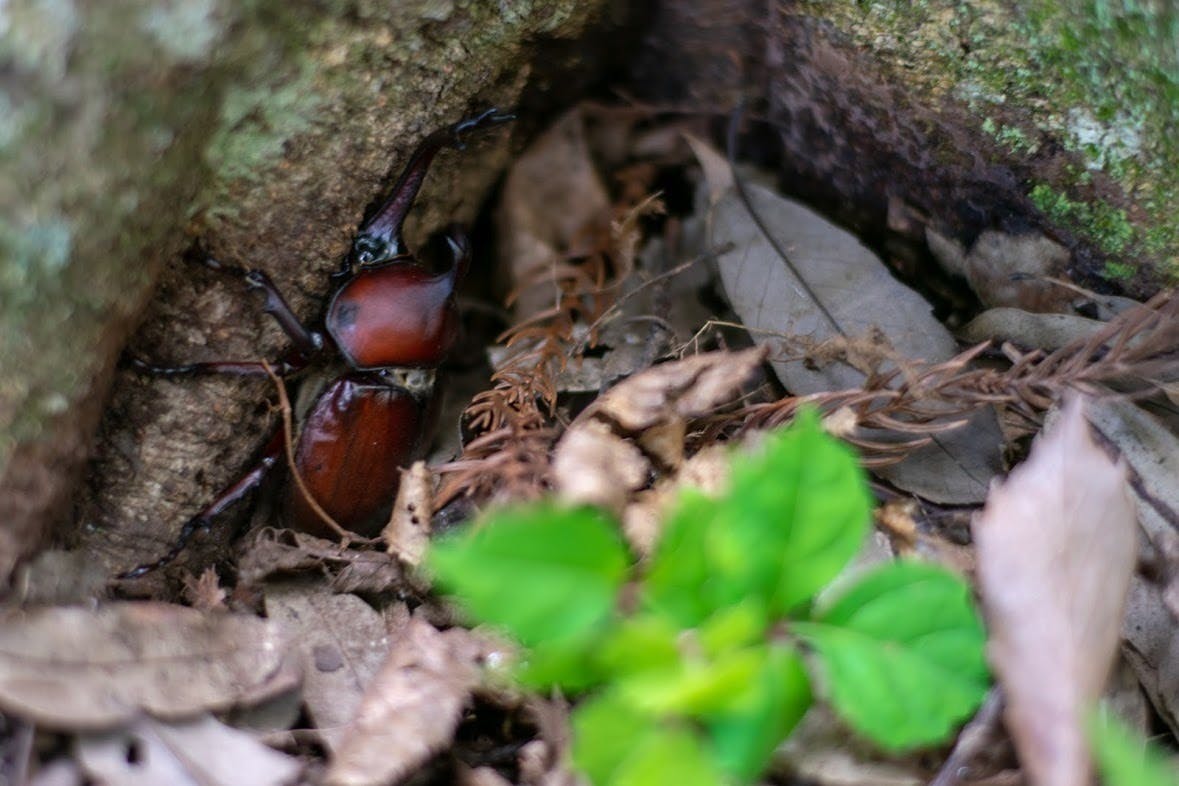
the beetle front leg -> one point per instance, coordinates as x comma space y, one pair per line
379, 238
201, 521
307, 342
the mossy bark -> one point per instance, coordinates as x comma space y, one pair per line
1049, 116
1096, 80
132, 129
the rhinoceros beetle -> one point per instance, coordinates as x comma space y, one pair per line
388, 325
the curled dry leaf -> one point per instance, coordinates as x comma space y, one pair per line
642, 521
341, 642
609, 450
594, 466
74, 668
1027, 329
1056, 546
407, 535
1009, 270
840, 317
676, 391
201, 752
412, 707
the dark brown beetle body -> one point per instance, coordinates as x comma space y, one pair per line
399, 314
388, 315
351, 448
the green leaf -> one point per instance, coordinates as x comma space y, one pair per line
568, 663
605, 731
1124, 758
541, 572
796, 512
772, 705
734, 627
666, 755
694, 687
677, 579
638, 644
901, 651
800, 509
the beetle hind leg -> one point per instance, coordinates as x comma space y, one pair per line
237, 491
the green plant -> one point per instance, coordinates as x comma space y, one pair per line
698, 663
1124, 758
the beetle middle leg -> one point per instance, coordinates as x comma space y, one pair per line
307, 344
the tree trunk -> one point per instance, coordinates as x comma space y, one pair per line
133, 129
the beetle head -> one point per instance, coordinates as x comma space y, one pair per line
372, 249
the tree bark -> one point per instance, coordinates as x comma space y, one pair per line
132, 130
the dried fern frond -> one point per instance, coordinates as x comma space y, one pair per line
511, 422
1137, 352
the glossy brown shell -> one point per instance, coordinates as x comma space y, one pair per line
350, 452
398, 314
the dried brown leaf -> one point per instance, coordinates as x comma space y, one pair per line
407, 535
480, 776
1056, 546
642, 521
544, 761
341, 642
201, 752
793, 276
821, 752
278, 552
1151, 636
552, 193
412, 707
1028, 329
611, 449
75, 668
1012, 270
676, 391
594, 466
1136, 347
60, 578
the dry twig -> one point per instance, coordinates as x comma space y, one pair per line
284, 404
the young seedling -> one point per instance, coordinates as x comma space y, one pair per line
730, 627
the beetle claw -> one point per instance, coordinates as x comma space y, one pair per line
488, 117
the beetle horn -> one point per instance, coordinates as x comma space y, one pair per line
379, 239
